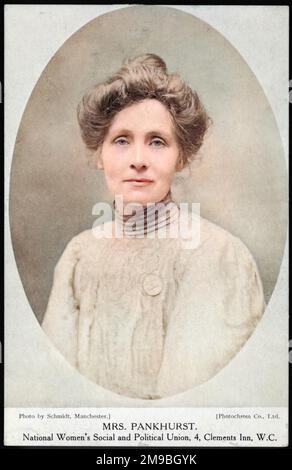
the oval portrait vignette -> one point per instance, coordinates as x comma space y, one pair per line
239, 180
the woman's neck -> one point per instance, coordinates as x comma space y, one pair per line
137, 220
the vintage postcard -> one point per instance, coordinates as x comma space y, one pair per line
146, 225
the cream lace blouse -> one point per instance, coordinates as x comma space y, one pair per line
148, 318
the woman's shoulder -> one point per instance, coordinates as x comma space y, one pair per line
213, 233
220, 242
90, 236
80, 241
210, 231
205, 236
221, 253
83, 243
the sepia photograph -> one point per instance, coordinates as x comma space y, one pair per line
147, 216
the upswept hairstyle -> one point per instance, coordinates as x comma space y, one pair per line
145, 76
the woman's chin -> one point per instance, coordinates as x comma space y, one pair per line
138, 198
137, 201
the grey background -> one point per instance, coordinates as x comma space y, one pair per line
240, 182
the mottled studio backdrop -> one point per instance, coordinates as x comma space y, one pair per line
240, 181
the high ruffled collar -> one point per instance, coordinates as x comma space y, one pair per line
139, 221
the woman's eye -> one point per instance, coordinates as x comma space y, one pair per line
157, 143
121, 141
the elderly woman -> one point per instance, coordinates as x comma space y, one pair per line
140, 314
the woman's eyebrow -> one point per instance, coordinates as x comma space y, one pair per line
121, 131
160, 132
124, 131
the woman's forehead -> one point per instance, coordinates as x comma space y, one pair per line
144, 115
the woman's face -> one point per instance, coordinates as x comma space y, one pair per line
140, 153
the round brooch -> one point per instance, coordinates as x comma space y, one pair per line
152, 284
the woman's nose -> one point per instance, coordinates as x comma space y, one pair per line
138, 165
139, 158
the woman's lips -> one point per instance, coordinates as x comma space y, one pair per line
139, 181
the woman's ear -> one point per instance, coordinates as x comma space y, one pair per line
98, 158
179, 163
